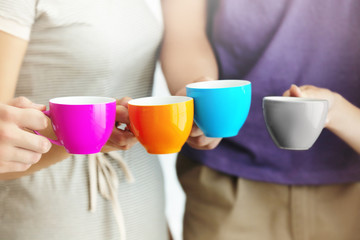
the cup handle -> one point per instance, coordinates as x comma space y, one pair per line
56, 141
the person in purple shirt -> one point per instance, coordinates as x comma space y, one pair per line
245, 187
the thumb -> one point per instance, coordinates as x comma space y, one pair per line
295, 91
123, 101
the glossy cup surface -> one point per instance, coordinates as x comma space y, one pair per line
161, 124
294, 123
82, 124
221, 107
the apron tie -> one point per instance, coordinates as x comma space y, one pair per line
103, 178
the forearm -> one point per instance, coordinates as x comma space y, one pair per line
186, 62
12, 50
186, 53
345, 122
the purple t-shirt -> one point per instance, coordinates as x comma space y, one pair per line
274, 44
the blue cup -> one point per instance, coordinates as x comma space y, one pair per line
220, 107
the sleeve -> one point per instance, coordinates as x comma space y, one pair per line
17, 17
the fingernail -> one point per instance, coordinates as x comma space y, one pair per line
46, 146
45, 123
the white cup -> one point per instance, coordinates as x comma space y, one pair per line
294, 123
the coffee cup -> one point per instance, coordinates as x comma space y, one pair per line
221, 107
161, 124
82, 124
294, 123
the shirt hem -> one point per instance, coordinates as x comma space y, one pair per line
14, 28
290, 178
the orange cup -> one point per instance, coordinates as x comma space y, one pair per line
161, 124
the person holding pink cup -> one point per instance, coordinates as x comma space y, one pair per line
84, 187
52, 50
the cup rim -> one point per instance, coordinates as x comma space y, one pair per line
292, 99
81, 100
159, 100
218, 84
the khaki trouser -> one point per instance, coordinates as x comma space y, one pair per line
221, 207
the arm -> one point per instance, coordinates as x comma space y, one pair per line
19, 149
343, 117
186, 54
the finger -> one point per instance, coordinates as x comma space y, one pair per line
114, 146
109, 147
195, 142
14, 154
26, 156
122, 114
6, 167
14, 136
203, 142
286, 93
196, 131
295, 91
30, 141
306, 87
199, 141
23, 102
123, 101
32, 119
308, 91
121, 139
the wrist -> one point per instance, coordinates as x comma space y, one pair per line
335, 114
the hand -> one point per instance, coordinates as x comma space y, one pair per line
121, 139
310, 91
198, 140
19, 148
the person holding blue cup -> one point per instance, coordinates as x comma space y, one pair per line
246, 187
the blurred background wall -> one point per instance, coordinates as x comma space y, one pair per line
175, 197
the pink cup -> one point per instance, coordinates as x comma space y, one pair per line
82, 124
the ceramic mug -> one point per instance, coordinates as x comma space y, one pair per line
161, 124
221, 106
294, 123
82, 124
